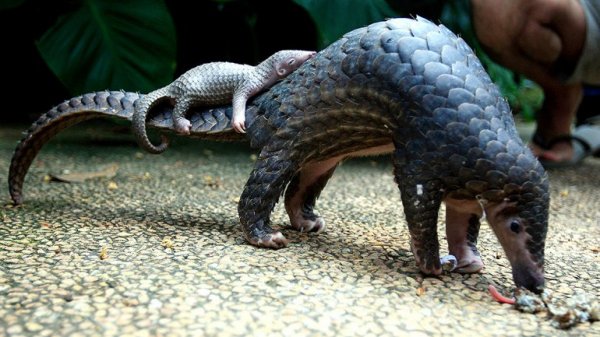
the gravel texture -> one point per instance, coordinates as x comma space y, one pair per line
157, 250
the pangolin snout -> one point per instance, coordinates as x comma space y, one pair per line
529, 278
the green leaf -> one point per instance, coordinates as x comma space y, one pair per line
7, 4
334, 18
109, 44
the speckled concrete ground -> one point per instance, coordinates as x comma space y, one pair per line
156, 251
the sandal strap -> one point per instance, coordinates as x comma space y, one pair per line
564, 138
540, 141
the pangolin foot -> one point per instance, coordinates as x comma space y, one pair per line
468, 258
469, 266
238, 125
274, 240
430, 267
304, 225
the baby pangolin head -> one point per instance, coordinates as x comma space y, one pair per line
286, 61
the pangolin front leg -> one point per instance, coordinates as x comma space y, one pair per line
302, 193
239, 107
421, 197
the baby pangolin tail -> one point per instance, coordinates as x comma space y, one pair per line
138, 123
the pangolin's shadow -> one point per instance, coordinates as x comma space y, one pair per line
221, 229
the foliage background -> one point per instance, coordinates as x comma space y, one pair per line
58, 49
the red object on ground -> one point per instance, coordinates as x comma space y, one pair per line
499, 297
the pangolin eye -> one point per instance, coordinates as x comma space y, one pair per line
515, 226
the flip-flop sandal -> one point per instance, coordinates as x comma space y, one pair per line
581, 149
591, 134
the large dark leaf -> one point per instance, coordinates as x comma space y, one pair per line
7, 4
333, 18
112, 44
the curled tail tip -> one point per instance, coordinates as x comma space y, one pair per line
157, 149
164, 144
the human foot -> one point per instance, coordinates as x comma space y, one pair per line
560, 151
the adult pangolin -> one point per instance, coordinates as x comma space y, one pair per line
406, 87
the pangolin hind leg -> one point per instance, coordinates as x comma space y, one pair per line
302, 193
272, 172
462, 230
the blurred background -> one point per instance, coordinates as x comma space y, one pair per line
53, 50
